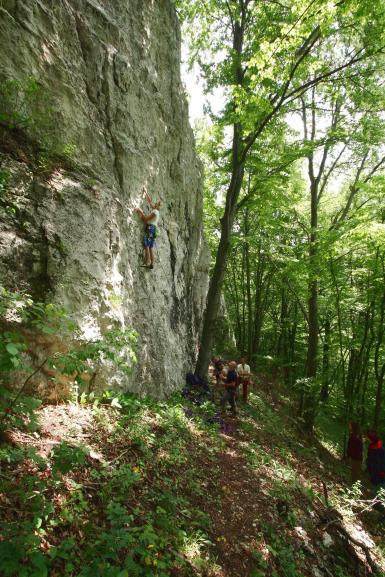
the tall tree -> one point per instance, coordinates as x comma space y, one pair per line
265, 56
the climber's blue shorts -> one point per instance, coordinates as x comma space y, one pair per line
149, 235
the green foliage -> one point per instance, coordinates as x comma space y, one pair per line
70, 151
88, 356
305, 153
132, 512
20, 314
24, 104
26, 107
17, 312
11, 350
4, 177
18, 410
284, 555
67, 458
12, 556
141, 508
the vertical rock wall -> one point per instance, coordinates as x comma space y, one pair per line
109, 73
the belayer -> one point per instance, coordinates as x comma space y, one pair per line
150, 223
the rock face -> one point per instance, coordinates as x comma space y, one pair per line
111, 99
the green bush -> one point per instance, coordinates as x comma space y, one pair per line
18, 315
26, 106
67, 458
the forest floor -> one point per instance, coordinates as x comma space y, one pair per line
151, 489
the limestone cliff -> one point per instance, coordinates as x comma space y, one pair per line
108, 72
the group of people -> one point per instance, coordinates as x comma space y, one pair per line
226, 378
375, 460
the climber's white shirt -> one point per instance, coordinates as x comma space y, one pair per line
243, 370
155, 218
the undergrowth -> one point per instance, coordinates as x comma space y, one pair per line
121, 486
130, 512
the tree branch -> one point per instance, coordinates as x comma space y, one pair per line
374, 169
304, 87
341, 215
282, 98
231, 16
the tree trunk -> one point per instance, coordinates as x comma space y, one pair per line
248, 287
309, 400
292, 342
257, 320
379, 368
378, 404
324, 395
216, 282
227, 221
238, 327
243, 289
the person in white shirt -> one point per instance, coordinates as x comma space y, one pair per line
150, 223
243, 370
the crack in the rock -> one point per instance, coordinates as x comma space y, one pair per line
172, 255
79, 34
109, 122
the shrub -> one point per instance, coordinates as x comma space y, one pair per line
18, 314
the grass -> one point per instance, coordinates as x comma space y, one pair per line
140, 489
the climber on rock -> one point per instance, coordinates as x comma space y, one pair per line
150, 223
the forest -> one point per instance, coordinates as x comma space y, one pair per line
270, 247
294, 194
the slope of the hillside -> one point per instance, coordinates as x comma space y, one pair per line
164, 489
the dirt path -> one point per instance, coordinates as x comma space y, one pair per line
259, 483
236, 505
259, 532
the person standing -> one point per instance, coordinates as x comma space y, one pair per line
230, 385
150, 223
355, 450
243, 370
218, 367
375, 460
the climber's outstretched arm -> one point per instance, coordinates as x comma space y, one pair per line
149, 200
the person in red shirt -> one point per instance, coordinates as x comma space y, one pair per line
375, 461
355, 450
